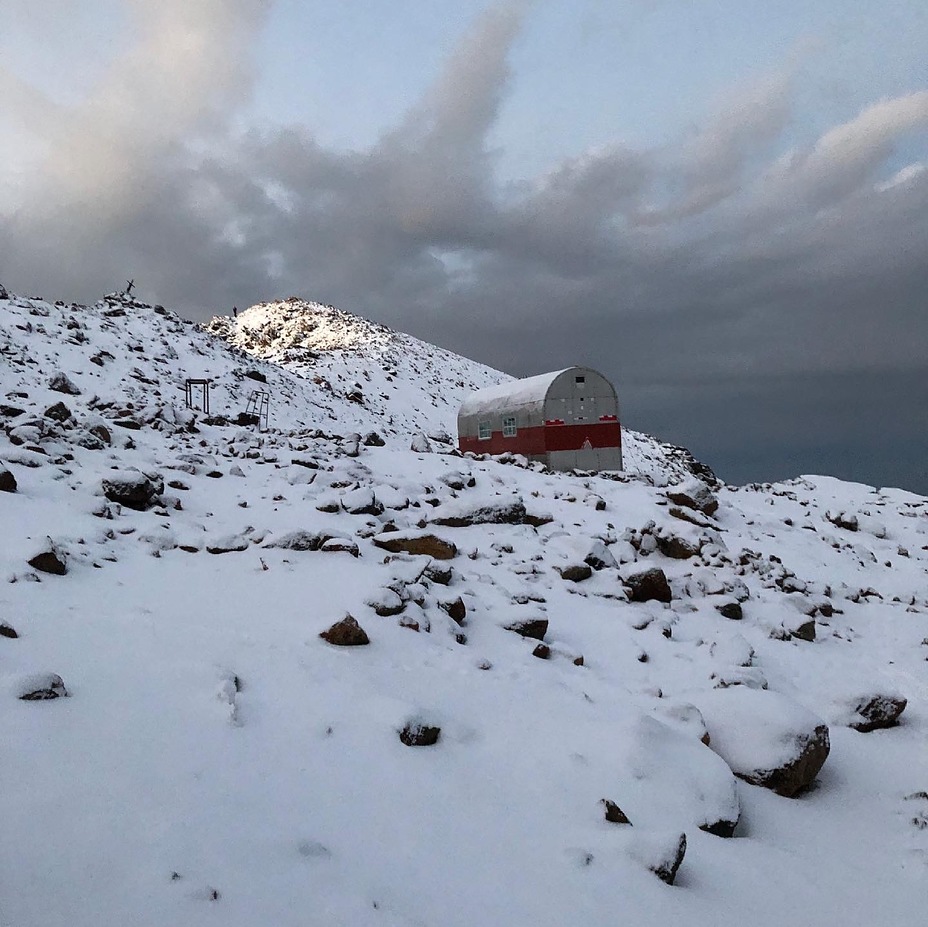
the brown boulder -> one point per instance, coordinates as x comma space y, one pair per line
346, 633
408, 543
649, 585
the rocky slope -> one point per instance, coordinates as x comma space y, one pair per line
291, 677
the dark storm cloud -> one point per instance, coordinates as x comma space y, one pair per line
734, 293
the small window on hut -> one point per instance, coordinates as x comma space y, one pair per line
509, 426
579, 379
483, 431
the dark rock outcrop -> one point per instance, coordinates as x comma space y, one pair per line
132, 489
532, 628
873, 712
7, 480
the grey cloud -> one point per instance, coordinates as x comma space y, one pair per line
756, 292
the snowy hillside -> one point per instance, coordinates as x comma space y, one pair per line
371, 377
195, 731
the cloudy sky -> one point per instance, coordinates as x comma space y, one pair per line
722, 205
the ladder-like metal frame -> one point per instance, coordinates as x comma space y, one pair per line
259, 404
189, 385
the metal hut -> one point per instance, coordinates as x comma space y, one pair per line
567, 419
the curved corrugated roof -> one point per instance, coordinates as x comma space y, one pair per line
512, 394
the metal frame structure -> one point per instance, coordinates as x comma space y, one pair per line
259, 404
189, 385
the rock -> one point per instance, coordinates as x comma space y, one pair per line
457, 610
575, 573
58, 412
731, 610
372, 439
532, 628
613, 813
676, 548
50, 561
361, 501
10, 411
130, 424
660, 852
231, 543
341, 545
416, 543
843, 520
421, 444
132, 489
694, 495
542, 652
7, 630
101, 433
804, 630
507, 512
387, 604
441, 575
346, 633
39, 687
765, 738
256, 375
7, 480
600, 557
418, 734
61, 383
647, 586
299, 540
873, 712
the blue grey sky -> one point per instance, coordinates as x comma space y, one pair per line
721, 205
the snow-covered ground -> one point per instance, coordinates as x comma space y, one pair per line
217, 761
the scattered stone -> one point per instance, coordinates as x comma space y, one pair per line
128, 423
40, 687
132, 489
61, 383
843, 520
532, 628
457, 610
874, 712
510, 512
731, 610
10, 411
388, 603
650, 585
346, 633
7, 630
575, 573
414, 543
7, 480
233, 543
676, 548
101, 433
341, 545
256, 375
766, 738
50, 561
694, 496
58, 412
613, 813
441, 575
299, 540
372, 439
418, 734
660, 852
542, 651
361, 501
421, 444
600, 557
